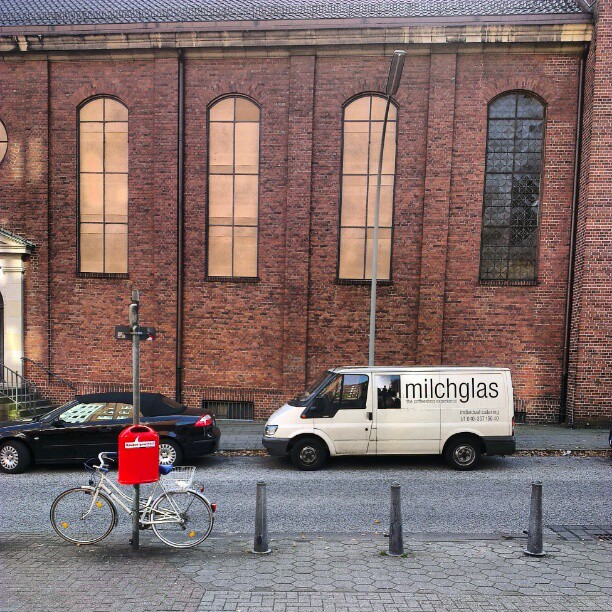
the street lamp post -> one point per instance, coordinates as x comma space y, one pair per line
393, 81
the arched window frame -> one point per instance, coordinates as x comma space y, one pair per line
485, 277
233, 278
79, 109
366, 280
3, 141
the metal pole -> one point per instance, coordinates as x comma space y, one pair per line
136, 404
375, 239
535, 547
260, 545
396, 538
393, 82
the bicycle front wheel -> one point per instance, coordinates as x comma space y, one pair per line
80, 517
182, 519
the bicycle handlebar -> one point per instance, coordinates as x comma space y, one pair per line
101, 457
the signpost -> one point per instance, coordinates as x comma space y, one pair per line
135, 333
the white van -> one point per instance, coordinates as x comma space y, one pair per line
458, 412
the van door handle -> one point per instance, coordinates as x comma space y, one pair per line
369, 416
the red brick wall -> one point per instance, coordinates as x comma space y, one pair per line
338, 315
23, 185
520, 327
590, 397
261, 341
234, 330
85, 310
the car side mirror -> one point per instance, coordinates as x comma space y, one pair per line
57, 422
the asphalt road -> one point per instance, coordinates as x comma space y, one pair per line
352, 494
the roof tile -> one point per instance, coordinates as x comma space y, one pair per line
80, 12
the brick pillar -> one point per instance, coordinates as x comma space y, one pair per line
590, 382
440, 129
297, 220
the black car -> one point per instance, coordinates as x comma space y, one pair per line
90, 424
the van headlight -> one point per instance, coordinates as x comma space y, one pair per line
270, 430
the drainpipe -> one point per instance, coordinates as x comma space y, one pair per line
180, 205
563, 415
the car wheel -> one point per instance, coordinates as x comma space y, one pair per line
309, 454
170, 452
14, 457
463, 453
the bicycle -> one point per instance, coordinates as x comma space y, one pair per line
179, 516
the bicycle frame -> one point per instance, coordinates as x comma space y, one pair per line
117, 496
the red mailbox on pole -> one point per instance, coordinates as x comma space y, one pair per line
138, 455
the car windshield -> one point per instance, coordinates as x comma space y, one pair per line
303, 398
49, 416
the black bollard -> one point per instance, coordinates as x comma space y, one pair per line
396, 539
260, 545
535, 546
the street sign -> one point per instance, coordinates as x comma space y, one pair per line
124, 332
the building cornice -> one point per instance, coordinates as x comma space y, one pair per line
507, 32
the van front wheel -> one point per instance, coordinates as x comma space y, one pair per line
308, 454
463, 453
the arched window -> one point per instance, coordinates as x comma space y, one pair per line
103, 187
233, 187
362, 134
509, 243
3, 141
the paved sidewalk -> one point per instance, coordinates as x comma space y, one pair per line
246, 435
328, 573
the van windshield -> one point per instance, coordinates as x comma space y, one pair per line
304, 398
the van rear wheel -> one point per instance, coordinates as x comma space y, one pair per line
463, 453
308, 454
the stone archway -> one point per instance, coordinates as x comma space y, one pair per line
12, 269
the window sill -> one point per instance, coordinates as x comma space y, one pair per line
364, 283
102, 275
509, 283
233, 279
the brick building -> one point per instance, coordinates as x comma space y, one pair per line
221, 158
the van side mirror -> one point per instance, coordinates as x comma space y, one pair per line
318, 408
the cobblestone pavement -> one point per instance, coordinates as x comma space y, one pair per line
323, 572
246, 435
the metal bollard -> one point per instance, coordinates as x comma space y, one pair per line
535, 547
396, 539
260, 545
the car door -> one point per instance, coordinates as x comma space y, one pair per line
407, 413
79, 432
345, 416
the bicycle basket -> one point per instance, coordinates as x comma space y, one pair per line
180, 478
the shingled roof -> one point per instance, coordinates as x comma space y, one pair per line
81, 12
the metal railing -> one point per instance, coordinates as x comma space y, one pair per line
19, 390
50, 373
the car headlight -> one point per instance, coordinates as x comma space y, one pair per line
270, 430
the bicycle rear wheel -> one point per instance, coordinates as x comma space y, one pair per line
78, 519
182, 519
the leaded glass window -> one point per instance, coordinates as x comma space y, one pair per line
509, 242
103, 187
362, 135
233, 187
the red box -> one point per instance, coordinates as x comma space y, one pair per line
138, 455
